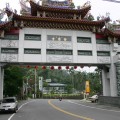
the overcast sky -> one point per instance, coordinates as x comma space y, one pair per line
98, 7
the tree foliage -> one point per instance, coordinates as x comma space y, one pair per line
75, 80
12, 80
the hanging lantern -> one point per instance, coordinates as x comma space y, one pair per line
28, 66
75, 67
89, 66
36, 67
43, 67
67, 67
59, 67
82, 66
52, 67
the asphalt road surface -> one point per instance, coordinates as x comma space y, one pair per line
45, 109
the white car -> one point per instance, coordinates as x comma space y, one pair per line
94, 98
9, 104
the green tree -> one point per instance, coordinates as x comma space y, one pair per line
12, 80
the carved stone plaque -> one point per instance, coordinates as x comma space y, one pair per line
103, 47
57, 58
9, 57
103, 59
59, 45
9, 43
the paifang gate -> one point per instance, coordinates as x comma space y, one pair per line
49, 35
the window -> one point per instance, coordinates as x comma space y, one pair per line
32, 37
68, 52
102, 41
11, 37
9, 50
85, 53
118, 41
103, 53
10, 100
118, 53
59, 52
83, 40
32, 51
50, 52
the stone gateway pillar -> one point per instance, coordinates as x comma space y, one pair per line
106, 82
1, 81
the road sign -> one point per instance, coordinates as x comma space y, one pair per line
48, 80
40, 83
87, 87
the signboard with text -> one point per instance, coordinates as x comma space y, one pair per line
87, 87
40, 83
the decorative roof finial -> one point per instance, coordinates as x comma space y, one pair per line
2, 13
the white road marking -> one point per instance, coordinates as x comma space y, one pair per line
92, 107
19, 109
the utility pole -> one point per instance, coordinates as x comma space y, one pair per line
27, 87
35, 85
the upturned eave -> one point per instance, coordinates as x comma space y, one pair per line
35, 7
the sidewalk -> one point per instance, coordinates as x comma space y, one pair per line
98, 105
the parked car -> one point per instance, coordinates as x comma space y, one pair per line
9, 104
94, 98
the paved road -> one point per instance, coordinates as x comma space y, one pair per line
43, 109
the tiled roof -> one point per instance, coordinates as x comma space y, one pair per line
85, 22
5, 25
33, 21
110, 33
57, 23
35, 7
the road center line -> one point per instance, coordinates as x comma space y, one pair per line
69, 113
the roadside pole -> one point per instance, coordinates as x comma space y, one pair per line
35, 85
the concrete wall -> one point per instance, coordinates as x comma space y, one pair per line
109, 80
45, 44
114, 101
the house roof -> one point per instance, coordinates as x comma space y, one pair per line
56, 84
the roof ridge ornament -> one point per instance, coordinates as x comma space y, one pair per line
58, 4
10, 17
25, 9
2, 13
86, 4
